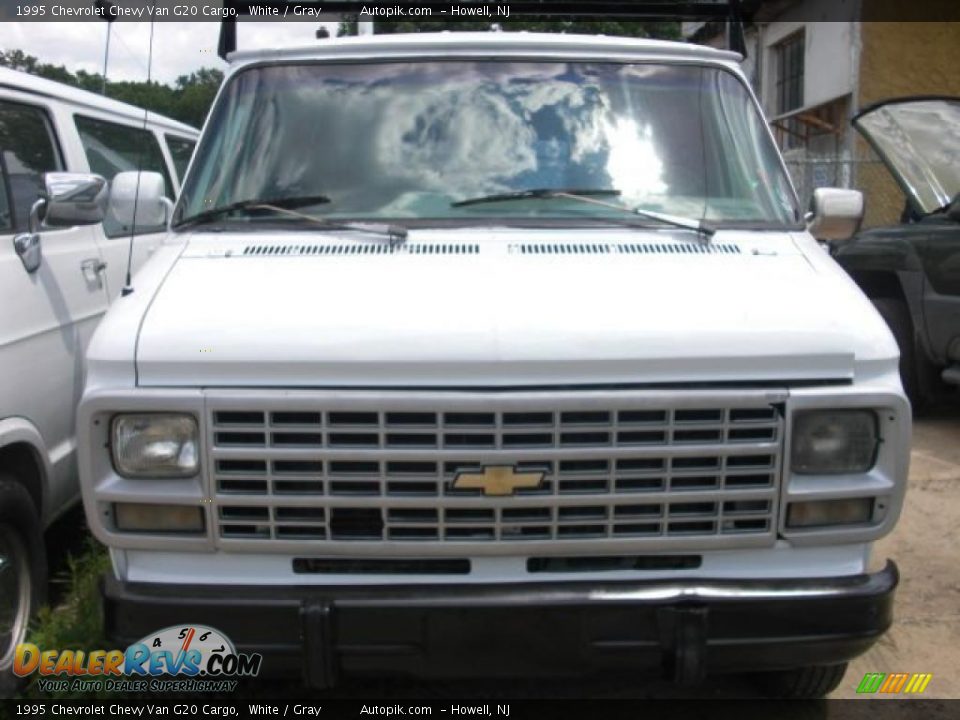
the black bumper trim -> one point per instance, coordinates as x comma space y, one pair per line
686, 628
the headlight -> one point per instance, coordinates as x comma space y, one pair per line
155, 445
831, 442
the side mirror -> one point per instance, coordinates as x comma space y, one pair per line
74, 199
147, 203
835, 214
71, 199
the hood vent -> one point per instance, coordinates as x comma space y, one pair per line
384, 248
365, 249
626, 249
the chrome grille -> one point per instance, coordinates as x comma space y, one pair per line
343, 469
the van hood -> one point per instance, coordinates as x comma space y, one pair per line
503, 308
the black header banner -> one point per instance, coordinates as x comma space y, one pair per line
445, 10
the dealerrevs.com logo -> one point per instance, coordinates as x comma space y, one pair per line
180, 658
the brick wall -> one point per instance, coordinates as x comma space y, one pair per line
897, 59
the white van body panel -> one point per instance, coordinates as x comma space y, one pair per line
48, 317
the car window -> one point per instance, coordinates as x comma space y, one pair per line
112, 148
416, 139
181, 150
27, 151
6, 219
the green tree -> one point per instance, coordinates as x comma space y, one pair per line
661, 30
19, 60
188, 100
194, 94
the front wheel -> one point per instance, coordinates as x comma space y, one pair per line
23, 573
815, 681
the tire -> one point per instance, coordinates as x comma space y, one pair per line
23, 574
815, 681
895, 314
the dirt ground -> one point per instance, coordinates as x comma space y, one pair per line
926, 632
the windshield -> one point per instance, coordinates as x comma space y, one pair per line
409, 140
920, 142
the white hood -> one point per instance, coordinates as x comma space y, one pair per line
478, 308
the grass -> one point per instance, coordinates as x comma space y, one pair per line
76, 623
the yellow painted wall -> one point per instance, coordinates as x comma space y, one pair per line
900, 58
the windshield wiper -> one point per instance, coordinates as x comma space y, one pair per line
698, 226
289, 202
533, 193
587, 196
397, 234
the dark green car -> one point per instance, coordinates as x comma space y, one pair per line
911, 271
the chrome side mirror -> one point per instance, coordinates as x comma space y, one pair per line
835, 213
140, 196
71, 199
74, 199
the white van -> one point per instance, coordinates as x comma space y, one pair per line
55, 284
497, 354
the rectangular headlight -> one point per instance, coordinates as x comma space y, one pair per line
832, 442
156, 445
143, 517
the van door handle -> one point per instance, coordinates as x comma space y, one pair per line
92, 267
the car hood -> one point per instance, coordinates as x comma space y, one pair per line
919, 141
504, 308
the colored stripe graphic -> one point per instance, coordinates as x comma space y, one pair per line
871, 682
918, 683
893, 683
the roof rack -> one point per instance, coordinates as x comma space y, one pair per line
730, 11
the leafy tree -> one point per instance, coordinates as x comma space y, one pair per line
194, 94
188, 100
661, 30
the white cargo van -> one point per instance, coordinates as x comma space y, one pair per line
498, 354
56, 280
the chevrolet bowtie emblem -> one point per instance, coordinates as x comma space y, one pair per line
498, 480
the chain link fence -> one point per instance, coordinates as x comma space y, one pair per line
883, 198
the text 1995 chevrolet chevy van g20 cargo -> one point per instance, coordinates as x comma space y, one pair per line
498, 355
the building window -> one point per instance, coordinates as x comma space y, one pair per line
790, 73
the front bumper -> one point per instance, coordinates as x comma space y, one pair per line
686, 628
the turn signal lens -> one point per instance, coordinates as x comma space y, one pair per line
144, 517
820, 513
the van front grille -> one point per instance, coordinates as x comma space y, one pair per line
331, 470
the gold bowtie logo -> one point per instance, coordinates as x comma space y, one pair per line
498, 480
